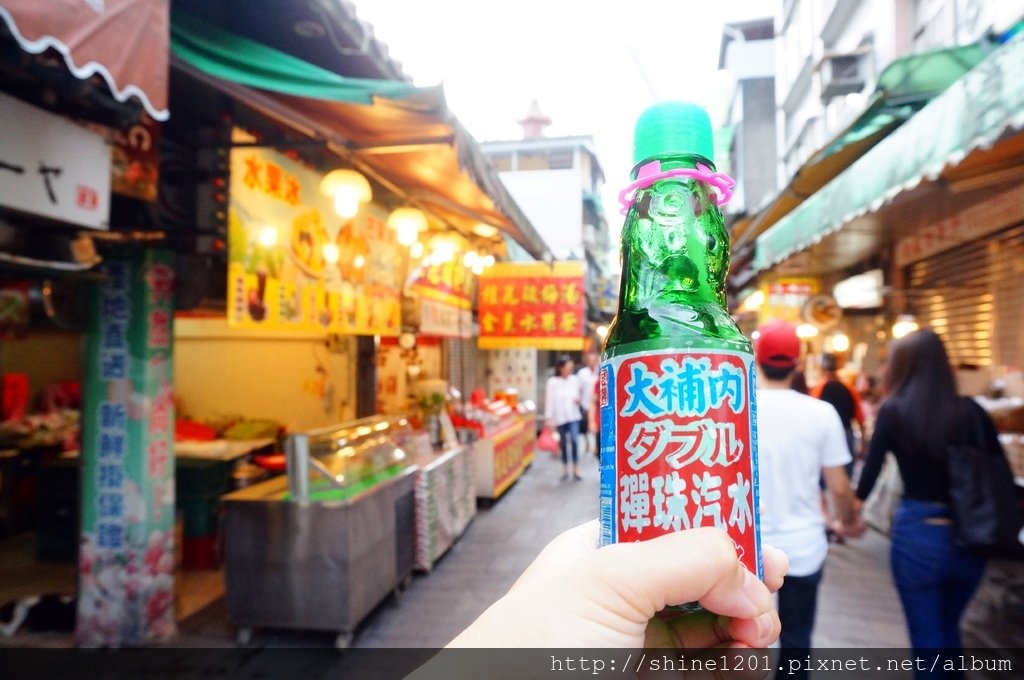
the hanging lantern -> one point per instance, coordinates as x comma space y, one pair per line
349, 190
407, 222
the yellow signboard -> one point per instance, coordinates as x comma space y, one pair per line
295, 265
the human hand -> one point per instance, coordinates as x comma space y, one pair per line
852, 529
576, 595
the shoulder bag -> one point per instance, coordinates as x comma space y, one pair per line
983, 495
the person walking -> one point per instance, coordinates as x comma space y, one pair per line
800, 441
844, 399
562, 410
587, 377
920, 416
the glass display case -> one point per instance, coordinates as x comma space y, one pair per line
336, 463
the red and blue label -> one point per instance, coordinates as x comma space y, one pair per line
679, 447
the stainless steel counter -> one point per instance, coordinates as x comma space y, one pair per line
316, 564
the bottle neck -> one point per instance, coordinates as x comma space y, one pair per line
673, 161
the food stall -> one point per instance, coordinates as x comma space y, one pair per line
506, 448
319, 548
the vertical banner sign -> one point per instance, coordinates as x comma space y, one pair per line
532, 305
126, 561
293, 264
677, 429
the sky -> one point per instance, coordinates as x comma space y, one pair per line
593, 66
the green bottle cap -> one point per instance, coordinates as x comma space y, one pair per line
672, 128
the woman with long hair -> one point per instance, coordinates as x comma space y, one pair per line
562, 410
921, 415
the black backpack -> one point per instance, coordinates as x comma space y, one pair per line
984, 501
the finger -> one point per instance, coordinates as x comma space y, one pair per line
759, 631
775, 565
697, 565
694, 630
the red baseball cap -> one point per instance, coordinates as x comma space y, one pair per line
777, 345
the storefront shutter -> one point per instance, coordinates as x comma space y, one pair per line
972, 297
466, 365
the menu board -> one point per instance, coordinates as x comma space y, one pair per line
295, 265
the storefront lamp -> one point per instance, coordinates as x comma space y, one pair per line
806, 331
840, 342
331, 253
905, 325
485, 230
408, 223
416, 250
470, 259
349, 190
268, 236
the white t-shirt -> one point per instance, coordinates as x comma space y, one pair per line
562, 399
588, 379
797, 436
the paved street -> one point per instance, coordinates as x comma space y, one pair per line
858, 605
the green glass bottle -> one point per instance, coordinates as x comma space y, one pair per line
678, 416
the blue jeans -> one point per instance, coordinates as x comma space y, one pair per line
935, 579
798, 601
568, 433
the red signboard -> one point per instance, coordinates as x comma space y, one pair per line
532, 305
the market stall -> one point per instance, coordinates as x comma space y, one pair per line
318, 549
506, 448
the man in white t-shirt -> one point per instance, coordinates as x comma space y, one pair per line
800, 440
587, 378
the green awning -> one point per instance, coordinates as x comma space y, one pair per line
903, 88
246, 62
403, 136
972, 113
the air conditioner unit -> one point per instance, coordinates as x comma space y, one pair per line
841, 74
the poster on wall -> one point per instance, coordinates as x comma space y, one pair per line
445, 293
295, 265
126, 560
785, 299
532, 305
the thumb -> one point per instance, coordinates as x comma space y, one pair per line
696, 565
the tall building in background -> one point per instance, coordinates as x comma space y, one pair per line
557, 182
748, 54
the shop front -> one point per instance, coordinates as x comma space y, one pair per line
933, 213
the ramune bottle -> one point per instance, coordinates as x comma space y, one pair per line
676, 383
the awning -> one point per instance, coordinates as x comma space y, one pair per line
404, 137
124, 42
969, 117
903, 88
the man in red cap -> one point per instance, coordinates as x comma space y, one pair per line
800, 440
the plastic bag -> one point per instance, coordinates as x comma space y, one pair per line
546, 441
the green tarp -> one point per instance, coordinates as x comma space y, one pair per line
240, 60
972, 113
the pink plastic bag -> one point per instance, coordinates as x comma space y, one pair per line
546, 441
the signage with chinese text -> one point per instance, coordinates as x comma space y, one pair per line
295, 265
532, 305
52, 167
126, 560
785, 298
445, 321
450, 283
968, 225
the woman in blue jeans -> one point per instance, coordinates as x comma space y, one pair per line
562, 410
920, 417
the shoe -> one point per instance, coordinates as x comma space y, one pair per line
564, 477
577, 478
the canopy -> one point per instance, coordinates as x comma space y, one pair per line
122, 41
970, 116
903, 88
401, 135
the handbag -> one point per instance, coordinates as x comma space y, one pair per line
880, 505
983, 495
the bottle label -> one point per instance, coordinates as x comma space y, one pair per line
679, 446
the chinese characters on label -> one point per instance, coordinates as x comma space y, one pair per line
681, 445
